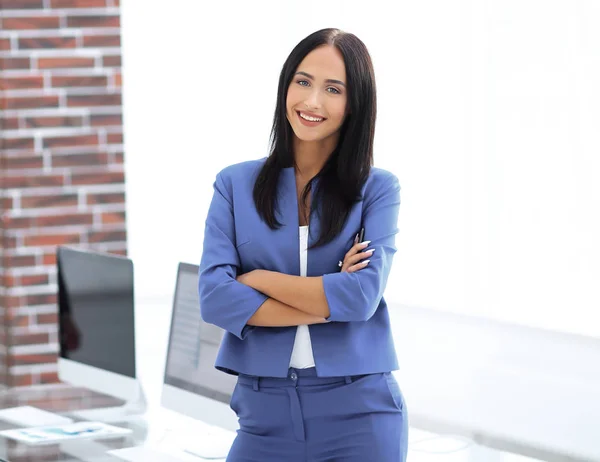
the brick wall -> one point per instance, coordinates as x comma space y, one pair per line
61, 164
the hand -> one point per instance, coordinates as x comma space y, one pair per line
354, 259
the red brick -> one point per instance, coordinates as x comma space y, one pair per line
30, 339
4, 44
42, 299
114, 138
65, 63
98, 178
51, 239
66, 141
14, 63
106, 120
56, 121
22, 4
118, 80
30, 43
107, 236
8, 281
49, 200
10, 242
93, 21
47, 318
16, 261
23, 162
22, 223
15, 301
34, 181
21, 380
34, 280
17, 143
47, 378
94, 100
49, 259
65, 220
22, 83
102, 41
106, 198
80, 81
77, 160
119, 157
6, 203
113, 218
78, 3
31, 22
9, 123
28, 359
31, 103
111, 61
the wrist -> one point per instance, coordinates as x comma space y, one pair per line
253, 279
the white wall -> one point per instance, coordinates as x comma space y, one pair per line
488, 115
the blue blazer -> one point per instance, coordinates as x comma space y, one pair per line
358, 339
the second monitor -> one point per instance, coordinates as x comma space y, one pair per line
192, 385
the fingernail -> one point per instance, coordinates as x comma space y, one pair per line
365, 243
370, 251
366, 262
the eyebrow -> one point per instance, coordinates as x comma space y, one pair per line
339, 82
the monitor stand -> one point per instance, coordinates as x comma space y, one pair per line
209, 448
200, 440
131, 410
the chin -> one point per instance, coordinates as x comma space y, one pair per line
310, 138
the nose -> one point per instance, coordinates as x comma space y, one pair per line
313, 100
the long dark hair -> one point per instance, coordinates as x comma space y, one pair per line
345, 172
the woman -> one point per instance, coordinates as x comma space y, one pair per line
307, 328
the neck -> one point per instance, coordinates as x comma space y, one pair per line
310, 156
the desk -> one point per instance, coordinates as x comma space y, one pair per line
61, 399
423, 447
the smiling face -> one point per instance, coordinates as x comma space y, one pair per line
317, 96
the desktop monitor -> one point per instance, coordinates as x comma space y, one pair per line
192, 385
96, 323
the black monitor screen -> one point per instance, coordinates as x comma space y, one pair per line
96, 310
193, 344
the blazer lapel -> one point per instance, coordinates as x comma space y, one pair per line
287, 214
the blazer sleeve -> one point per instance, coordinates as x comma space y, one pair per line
356, 296
224, 301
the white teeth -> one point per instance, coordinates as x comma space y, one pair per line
309, 118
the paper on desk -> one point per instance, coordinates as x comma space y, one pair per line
57, 433
29, 416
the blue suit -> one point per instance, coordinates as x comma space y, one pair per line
357, 342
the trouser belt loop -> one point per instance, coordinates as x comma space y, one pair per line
348, 379
255, 383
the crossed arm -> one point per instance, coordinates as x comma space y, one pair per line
268, 298
291, 298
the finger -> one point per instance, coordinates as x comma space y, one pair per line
359, 256
356, 248
358, 266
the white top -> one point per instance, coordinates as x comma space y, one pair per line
302, 353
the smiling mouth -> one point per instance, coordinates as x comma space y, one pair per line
309, 119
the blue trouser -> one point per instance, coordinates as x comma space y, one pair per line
305, 418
